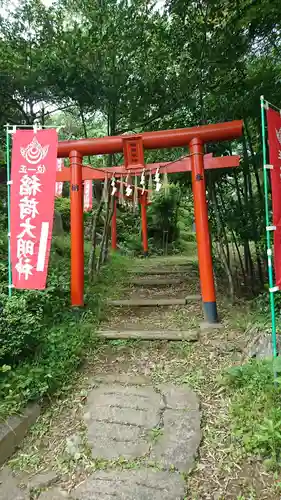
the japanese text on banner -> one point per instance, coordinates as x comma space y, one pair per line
274, 141
32, 205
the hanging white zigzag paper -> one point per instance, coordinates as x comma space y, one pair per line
129, 189
157, 180
113, 185
142, 181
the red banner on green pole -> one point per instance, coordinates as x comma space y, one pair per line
33, 177
274, 143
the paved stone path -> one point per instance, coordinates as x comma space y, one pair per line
155, 428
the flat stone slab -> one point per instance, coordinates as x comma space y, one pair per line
156, 282
147, 271
54, 494
9, 489
120, 378
187, 335
159, 424
119, 418
144, 484
42, 480
147, 302
167, 301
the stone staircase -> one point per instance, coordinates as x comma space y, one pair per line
160, 302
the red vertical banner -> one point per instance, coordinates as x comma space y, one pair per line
33, 177
59, 185
274, 143
88, 195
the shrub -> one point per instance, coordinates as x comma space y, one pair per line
163, 216
24, 316
20, 327
255, 409
62, 205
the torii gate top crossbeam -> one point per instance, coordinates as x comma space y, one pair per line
154, 140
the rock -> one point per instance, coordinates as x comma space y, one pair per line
144, 484
177, 446
73, 446
9, 489
179, 398
54, 494
261, 346
44, 480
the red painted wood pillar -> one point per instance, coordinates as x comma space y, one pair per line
143, 202
202, 232
77, 229
114, 226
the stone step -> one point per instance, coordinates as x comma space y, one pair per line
156, 281
190, 335
160, 271
153, 302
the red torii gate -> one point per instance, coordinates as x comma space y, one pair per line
133, 147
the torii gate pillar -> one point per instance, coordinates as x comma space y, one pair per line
77, 229
202, 232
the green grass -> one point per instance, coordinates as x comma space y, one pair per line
255, 410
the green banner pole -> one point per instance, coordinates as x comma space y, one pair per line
9, 209
268, 239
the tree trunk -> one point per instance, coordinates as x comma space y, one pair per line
104, 236
92, 256
219, 240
